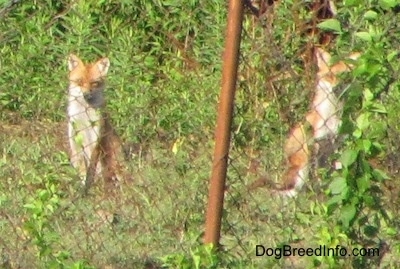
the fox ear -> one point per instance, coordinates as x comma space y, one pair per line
73, 62
103, 64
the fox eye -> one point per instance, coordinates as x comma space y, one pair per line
79, 81
94, 84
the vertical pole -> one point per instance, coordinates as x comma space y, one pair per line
224, 121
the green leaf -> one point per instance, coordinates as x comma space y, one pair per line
347, 214
366, 145
387, 4
361, 68
368, 95
303, 218
79, 139
357, 133
330, 25
391, 231
196, 260
336, 199
378, 145
370, 15
364, 36
379, 108
371, 231
338, 185
369, 200
380, 175
391, 55
29, 206
363, 183
352, 3
363, 121
348, 157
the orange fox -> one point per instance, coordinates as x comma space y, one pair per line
323, 116
297, 158
323, 120
95, 147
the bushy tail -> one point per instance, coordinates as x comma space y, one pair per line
297, 158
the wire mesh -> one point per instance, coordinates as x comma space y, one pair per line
161, 96
163, 68
294, 100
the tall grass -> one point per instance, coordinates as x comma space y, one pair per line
162, 92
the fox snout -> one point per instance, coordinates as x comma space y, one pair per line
94, 97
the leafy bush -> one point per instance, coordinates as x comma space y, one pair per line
162, 93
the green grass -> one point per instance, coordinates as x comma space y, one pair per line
162, 93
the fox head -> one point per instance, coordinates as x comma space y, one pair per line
88, 79
328, 72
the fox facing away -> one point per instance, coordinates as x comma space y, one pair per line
322, 122
96, 149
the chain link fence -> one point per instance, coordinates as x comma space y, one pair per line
161, 96
164, 67
283, 88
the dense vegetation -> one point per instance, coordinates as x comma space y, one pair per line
162, 94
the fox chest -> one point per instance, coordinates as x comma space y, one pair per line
326, 107
84, 123
325, 102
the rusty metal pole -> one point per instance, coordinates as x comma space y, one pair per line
224, 121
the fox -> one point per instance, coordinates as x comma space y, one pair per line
297, 155
321, 122
95, 147
324, 116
